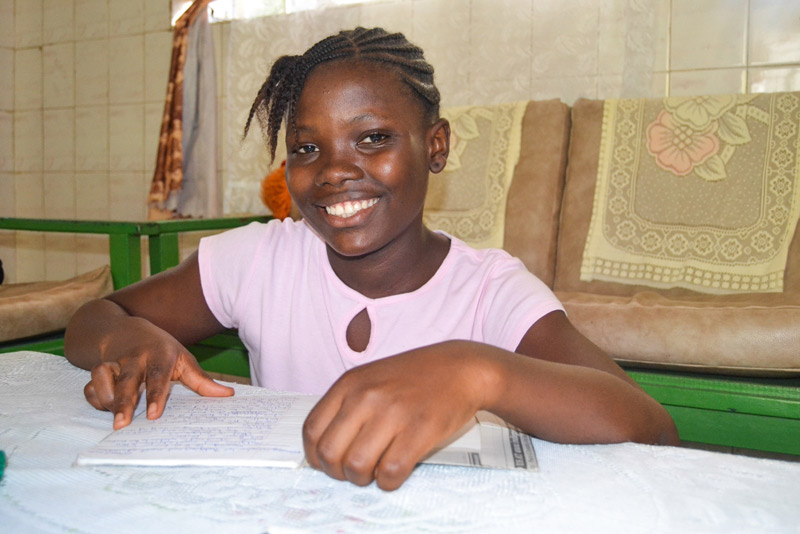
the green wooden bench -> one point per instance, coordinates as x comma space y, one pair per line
223, 353
125, 239
749, 413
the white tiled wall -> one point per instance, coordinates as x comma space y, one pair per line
720, 46
82, 84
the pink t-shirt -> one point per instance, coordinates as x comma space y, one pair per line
273, 282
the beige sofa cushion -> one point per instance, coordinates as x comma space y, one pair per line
675, 327
41, 307
752, 335
534, 197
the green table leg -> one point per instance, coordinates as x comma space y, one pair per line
126, 259
164, 252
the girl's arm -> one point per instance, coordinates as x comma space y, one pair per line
137, 335
380, 419
583, 395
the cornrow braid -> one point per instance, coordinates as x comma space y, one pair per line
277, 98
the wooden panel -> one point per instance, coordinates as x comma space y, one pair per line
773, 434
771, 397
228, 360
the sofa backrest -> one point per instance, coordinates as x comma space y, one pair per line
753, 333
576, 212
534, 198
548, 216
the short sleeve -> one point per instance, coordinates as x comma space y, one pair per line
226, 264
513, 300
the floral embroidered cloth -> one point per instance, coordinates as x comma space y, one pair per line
700, 192
468, 199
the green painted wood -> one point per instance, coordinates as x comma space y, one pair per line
778, 399
72, 226
226, 340
125, 258
220, 354
224, 353
124, 237
772, 434
197, 225
164, 252
126, 227
229, 361
50, 344
751, 413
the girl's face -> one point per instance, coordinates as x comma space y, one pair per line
358, 161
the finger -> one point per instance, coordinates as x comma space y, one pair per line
126, 395
91, 396
315, 428
157, 382
336, 439
104, 380
361, 459
401, 457
188, 371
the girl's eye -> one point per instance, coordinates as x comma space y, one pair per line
374, 138
306, 149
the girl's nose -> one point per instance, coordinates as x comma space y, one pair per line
337, 169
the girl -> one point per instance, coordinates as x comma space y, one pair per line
407, 331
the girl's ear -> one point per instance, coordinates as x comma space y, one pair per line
439, 146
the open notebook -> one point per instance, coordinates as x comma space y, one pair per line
257, 427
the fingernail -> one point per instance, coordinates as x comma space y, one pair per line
118, 419
151, 410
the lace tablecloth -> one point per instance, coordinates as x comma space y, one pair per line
45, 422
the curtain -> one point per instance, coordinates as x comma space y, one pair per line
199, 195
168, 175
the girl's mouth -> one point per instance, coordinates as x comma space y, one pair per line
349, 208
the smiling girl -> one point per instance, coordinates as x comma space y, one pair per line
406, 331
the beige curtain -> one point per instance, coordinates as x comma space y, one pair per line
168, 175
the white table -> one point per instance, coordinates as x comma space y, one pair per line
45, 422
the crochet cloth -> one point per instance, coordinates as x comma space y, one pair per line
699, 193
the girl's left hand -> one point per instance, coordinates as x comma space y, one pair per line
380, 419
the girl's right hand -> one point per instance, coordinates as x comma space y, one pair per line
138, 336
115, 385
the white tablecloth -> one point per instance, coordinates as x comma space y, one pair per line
45, 422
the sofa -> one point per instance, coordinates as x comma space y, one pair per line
32, 309
726, 366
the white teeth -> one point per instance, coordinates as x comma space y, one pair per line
349, 208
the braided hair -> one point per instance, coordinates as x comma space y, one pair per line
280, 92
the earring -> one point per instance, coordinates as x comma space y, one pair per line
437, 164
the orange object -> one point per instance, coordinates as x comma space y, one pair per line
275, 194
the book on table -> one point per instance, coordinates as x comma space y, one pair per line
259, 427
